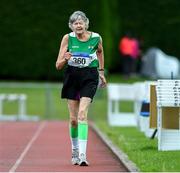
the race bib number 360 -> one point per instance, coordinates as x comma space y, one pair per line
79, 61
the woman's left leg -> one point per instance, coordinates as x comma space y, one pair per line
83, 129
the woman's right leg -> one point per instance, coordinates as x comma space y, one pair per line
73, 106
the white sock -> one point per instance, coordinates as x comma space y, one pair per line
82, 147
74, 143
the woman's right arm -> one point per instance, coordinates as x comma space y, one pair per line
63, 55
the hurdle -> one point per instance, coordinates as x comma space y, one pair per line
168, 114
21, 115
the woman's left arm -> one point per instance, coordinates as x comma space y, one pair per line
100, 55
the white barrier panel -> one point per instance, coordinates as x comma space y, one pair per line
140, 92
145, 120
168, 95
21, 115
116, 94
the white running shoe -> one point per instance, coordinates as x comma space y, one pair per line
75, 157
82, 160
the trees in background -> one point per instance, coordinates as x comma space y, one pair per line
31, 31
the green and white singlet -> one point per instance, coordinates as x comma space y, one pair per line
83, 52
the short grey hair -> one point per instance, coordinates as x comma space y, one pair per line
78, 15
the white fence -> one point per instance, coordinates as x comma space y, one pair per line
137, 93
42, 100
116, 94
21, 115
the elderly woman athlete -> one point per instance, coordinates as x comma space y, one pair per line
82, 51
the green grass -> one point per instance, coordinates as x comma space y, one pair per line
115, 78
41, 100
45, 101
142, 150
35, 101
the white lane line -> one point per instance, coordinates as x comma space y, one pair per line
19, 160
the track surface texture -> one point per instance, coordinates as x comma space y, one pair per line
45, 147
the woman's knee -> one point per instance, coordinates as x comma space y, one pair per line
82, 116
73, 121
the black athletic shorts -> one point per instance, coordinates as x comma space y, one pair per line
80, 82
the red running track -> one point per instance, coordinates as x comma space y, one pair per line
45, 147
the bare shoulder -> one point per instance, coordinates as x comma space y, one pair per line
64, 40
65, 37
95, 34
100, 38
